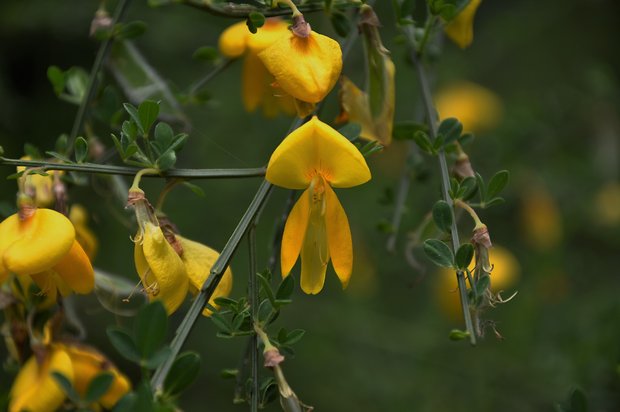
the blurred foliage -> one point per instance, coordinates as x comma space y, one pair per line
382, 344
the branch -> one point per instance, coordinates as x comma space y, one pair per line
131, 171
242, 11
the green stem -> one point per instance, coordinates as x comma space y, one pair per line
253, 292
242, 11
102, 54
401, 198
131, 171
431, 116
217, 271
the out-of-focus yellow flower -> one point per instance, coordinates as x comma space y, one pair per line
258, 90
307, 68
41, 243
461, 29
35, 389
85, 237
374, 110
199, 259
504, 275
40, 187
476, 107
87, 363
316, 157
160, 268
607, 204
541, 221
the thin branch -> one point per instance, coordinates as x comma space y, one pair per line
242, 11
131, 171
217, 271
102, 54
253, 292
401, 199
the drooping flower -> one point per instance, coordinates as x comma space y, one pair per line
83, 234
315, 157
87, 363
461, 29
374, 109
35, 389
476, 107
41, 243
40, 187
198, 260
257, 86
305, 64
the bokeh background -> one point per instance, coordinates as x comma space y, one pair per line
383, 343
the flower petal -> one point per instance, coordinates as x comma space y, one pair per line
44, 239
35, 389
294, 233
160, 268
316, 148
338, 237
306, 68
199, 260
9, 232
76, 271
314, 252
461, 29
233, 41
256, 82
269, 33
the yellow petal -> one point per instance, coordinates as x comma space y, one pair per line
87, 239
314, 251
35, 389
160, 268
256, 82
461, 29
476, 107
316, 148
338, 237
306, 68
199, 260
294, 233
44, 239
87, 364
9, 232
234, 39
76, 271
269, 33
23, 292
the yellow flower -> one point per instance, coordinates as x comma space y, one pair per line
198, 260
307, 68
461, 29
85, 237
160, 268
41, 243
87, 363
40, 187
541, 221
316, 157
257, 87
35, 389
504, 275
476, 107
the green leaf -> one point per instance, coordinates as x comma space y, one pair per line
195, 188
183, 373
267, 288
494, 202
450, 129
254, 21
466, 139
497, 183
229, 373
164, 136
206, 53
467, 188
285, 290
292, 337
405, 130
166, 160
148, 112
457, 334
80, 148
481, 186
351, 131
59, 156
133, 113
423, 141
221, 322
341, 23
439, 252
150, 328
57, 79
157, 358
76, 83
123, 343
129, 30
464, 256
442, 215
32, 151
98, 387
66, 386
61, 143
126, 403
